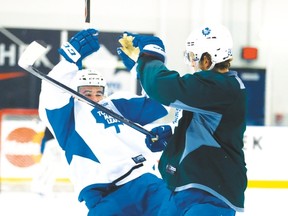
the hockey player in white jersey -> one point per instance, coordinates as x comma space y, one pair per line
49, 166
111, 166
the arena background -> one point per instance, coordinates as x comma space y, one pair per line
259, 24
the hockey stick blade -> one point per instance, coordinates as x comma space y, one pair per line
32, 53
26, 62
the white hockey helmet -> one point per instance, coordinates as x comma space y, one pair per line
88, 77
214, 39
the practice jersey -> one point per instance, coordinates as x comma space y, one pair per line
206, 151
98, 147
47, 137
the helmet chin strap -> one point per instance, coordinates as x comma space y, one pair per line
211, 66
196, 67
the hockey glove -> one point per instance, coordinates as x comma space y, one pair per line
127, 52
149, 45
80, 46
163, 133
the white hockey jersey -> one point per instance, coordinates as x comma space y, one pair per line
98, 147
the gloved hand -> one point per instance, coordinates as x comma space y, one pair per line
163, 133
127, 52
80, 46
149, 45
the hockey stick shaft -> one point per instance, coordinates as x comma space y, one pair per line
27, 60
87, 11
87, 14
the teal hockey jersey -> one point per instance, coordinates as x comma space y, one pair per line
206, 150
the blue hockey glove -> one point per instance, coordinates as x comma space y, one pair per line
127, 52
80, 46
149, 45
163, 133
127, 61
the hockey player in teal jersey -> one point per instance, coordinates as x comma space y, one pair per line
111, 167
203, 163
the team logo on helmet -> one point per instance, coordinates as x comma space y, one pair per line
206, 31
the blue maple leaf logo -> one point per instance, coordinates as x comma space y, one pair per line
107, 120
206, 31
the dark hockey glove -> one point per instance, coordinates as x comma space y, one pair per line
163, 133
80, 46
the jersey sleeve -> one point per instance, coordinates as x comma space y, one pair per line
205, 90
54, 102
139, 109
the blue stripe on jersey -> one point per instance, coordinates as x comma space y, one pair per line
149, 111
201, 128
235, 74
64, 129
199, 134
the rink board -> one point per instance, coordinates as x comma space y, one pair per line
265, 150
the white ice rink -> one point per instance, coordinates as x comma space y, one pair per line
30, 204
259, 202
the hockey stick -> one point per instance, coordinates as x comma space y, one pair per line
87, 14
34, 51
87, 11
